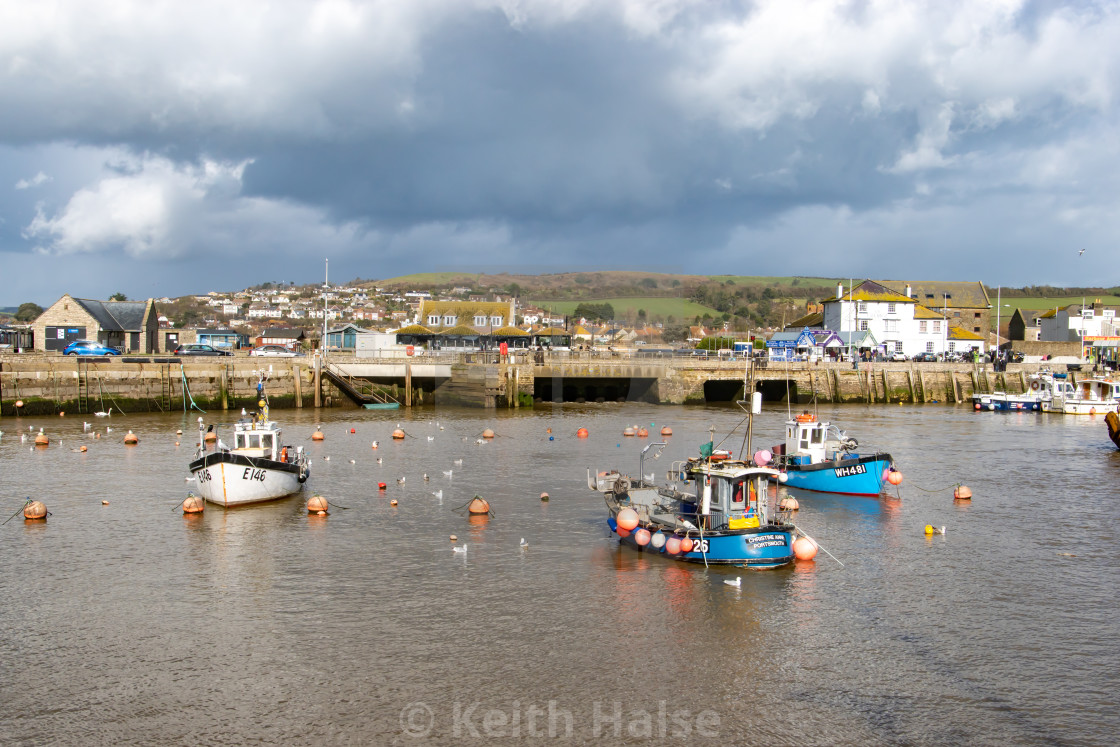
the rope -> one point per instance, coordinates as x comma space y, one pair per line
25, 505
953, 486
187, 390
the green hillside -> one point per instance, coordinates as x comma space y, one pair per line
680, 309
1034, 303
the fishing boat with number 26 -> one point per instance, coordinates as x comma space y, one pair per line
819, 456
259, 467
731, 518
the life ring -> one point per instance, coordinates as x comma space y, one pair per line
284, 454
1035, 386
719, 456
806, 417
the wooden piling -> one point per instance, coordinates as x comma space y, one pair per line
297, 385
408, 384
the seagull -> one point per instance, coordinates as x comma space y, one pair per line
425, 477
524, 543
480, 442
447, 473
108, 429
375, 444
400, 480
458, 462
325, 459
353, 462
459, 549
1080, 252
439, 494
86, 426
431, 438
737, 582
379, 460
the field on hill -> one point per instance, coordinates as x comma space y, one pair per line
1039, 304
680, 309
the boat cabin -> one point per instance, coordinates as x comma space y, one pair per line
727, 496
806, 439
1105, 391
256, 436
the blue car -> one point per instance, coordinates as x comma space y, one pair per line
89, 347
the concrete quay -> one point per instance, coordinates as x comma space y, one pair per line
48, 384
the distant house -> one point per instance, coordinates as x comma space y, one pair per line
1075, 322
484, 317
224, 339
132, 326
287, 336
344, 337
964, 304
1024, 325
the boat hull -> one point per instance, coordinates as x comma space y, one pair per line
1088, 407
235, 480
854, 476
1006, 403
766, 548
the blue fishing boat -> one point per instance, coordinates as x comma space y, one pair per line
727, 517
1004, 402
819, 456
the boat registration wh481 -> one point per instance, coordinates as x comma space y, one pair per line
855, 469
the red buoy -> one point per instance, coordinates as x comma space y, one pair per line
627, 519
686, 544
804, 549
581, 433
963, 493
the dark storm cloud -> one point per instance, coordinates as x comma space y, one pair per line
157, 140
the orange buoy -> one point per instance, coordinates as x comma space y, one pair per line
83, 449
789, 503
19, 403
209, 438
544, 496
963, 493
643, 433
104, 503
131, 438
41, 439
316, 503
804, 549
478, 505
62, 414
393, 502
381, 486
666, 431
398, 434
628, 431
35, 511
895, 477
686, 544
97, 435
454, 538
176, 443
977, 405
353, 431
581, 433
642, 537
673, 545
193, 504
488, 433
318, 434
627, 519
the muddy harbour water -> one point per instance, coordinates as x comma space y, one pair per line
129, 623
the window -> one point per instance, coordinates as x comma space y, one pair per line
922, 327
890, 325
861, 307
433, 318
952, 346
496, 321
1108, 313
862, 325
892, 309
929, 347
1087, 313
266, 441
975, 329
449, 320
976, 315
898, 346
480, 321
937, 327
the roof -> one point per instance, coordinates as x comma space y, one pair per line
461, 330
959, 333
553, 331
960, 294
510, 332
291, 333
465, 308
923, 312
816, 319
116, 316
869, 290
217, 331
345, 327
414, 329
1028, 316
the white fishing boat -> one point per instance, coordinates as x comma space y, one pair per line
1052, 389
1093, 397
259, 467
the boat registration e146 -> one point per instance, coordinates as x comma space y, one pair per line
855, 469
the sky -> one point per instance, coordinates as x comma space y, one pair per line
164, 148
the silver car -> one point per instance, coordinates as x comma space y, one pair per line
273, 351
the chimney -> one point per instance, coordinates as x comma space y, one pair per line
839, 290
909, 291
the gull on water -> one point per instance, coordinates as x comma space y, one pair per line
737, 582
459, 549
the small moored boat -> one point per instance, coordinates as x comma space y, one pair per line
259, 467
1093, 397
731, 519
819, 456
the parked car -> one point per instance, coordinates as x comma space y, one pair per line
196, 349
89, 347
899, 357
273, 351
926, 358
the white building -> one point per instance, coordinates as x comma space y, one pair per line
1075, 321
895, 320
